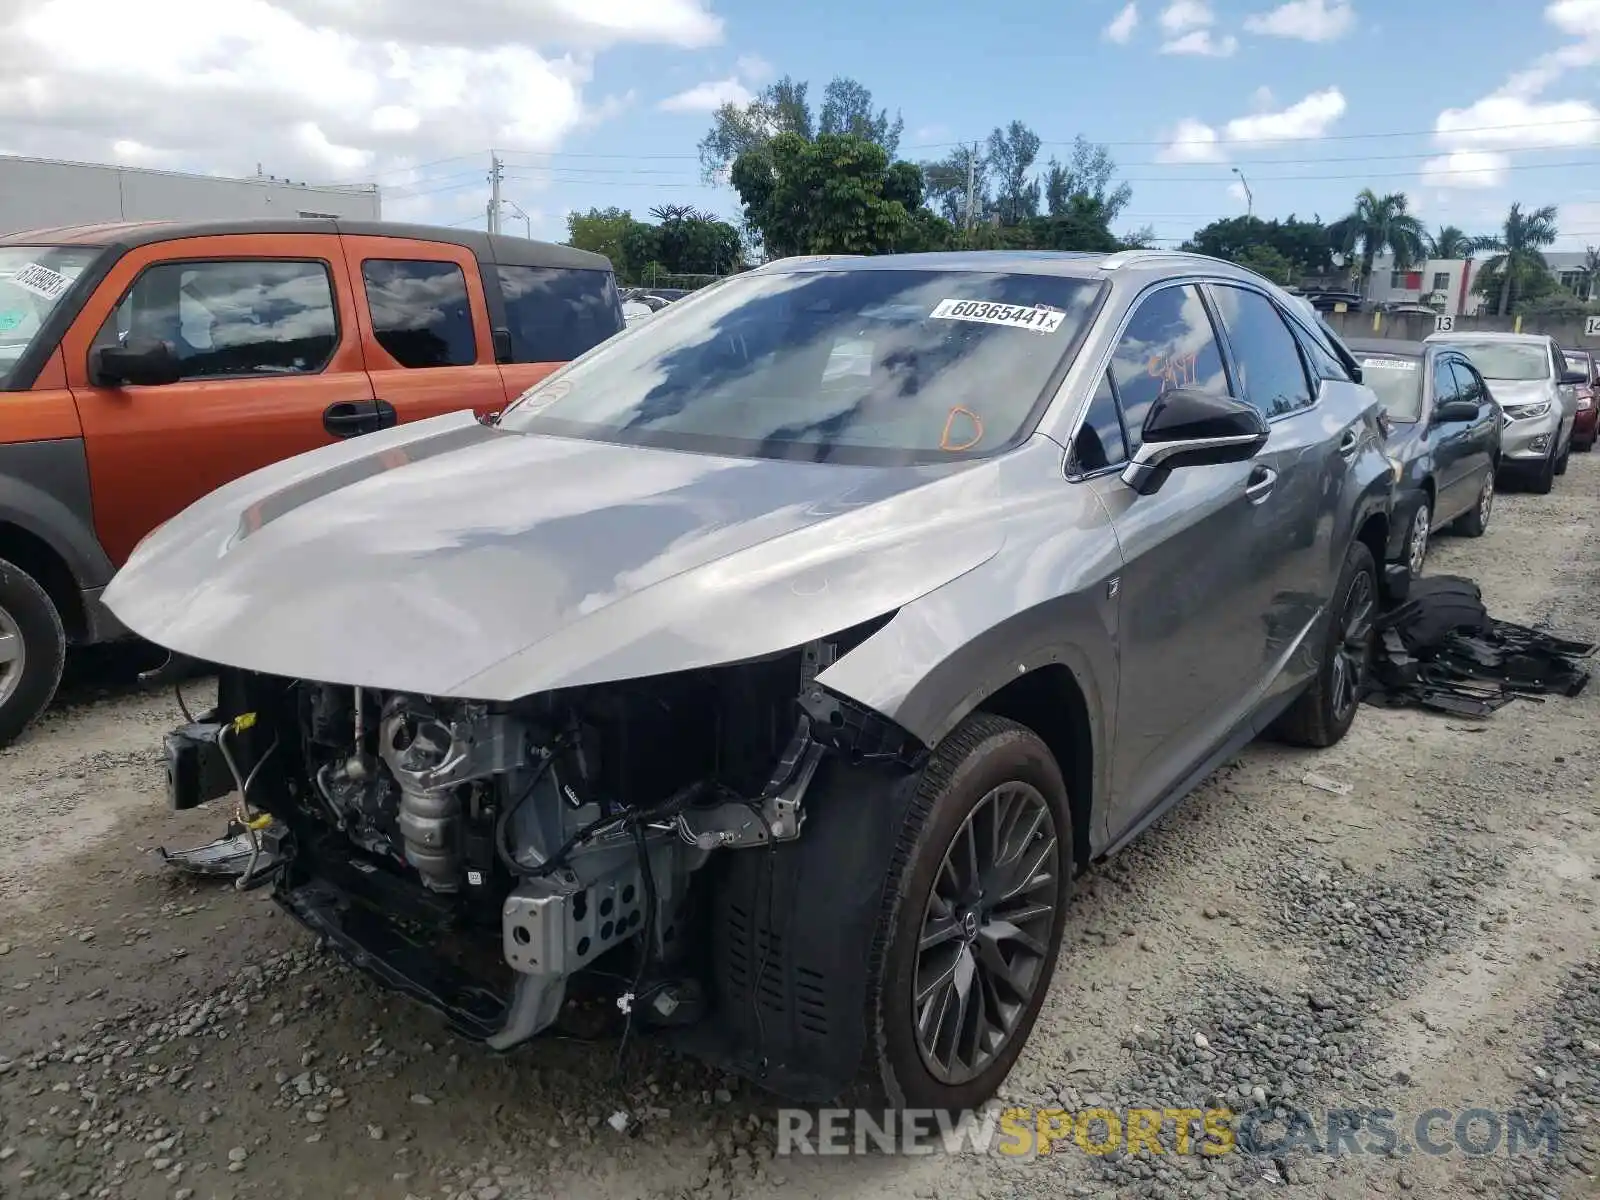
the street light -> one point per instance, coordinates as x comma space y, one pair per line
527, 224
1249, 200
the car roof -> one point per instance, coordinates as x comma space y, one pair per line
1393, 347
1069, 264
1492, 335
494, 247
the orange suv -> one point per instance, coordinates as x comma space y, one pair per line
144, 365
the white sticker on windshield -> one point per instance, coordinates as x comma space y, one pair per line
41, 281
1390, 364
987, 312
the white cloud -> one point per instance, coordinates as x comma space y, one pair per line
316, 89
1183, 15
1305, 20
1309, 118
1467, 169
1191, 141
1201, 42
752, 68
1512, 122
1236, 190
1261, 99
1123, 24
708, 97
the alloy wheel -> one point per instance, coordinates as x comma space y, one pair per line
1354, 650
986, 932
1417, 545
1486, 500
13, 656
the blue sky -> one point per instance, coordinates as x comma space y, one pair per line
1466, 106
1344, 106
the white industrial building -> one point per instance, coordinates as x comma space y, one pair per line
39, 192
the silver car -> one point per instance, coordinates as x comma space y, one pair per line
780, 665
1527, 375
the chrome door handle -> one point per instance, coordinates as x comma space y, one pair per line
1260, 485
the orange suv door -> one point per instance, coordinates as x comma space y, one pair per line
263, 329
424, 327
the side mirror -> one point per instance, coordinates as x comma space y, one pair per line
144, 362
1193, 429
1574, 378
1455, 410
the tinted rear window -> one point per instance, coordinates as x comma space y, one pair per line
556, 314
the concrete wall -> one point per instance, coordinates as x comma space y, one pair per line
36, 193
1409, 327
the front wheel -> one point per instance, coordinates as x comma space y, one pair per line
1417, 539
33, 648
1324, 712
1544, 476
1566, 457
973, 917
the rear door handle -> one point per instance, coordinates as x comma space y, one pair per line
387, 417
1260, 484
1349, 442
350, 418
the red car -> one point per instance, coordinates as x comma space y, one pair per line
1583, 427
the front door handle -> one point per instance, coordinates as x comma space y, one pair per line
387, 417
1260, 484
1349, 442
350, 418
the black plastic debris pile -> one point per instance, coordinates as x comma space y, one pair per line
1440, 649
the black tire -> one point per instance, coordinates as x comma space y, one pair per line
1322, 715
1566, 457
1583, 447
1542, 479
28, 615
981, 755
1475, 521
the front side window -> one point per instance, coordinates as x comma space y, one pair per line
1444, 383
1169, 344
556, 314
1101, 442
1272, 375
420, 312
1397, 382
861, 365
33, 279
1507, 360
230, 319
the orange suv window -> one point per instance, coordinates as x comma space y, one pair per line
420, 312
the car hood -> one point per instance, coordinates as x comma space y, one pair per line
452, 558
1520, 391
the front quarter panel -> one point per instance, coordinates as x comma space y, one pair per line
1046, 598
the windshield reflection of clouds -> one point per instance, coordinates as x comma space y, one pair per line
803, 364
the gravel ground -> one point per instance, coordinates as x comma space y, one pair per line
1426, 941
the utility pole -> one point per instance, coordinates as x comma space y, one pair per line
1249, 200
972, 179
494, 192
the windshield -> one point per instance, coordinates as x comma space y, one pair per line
866, 366
1398, 384
1507, 360
32, 281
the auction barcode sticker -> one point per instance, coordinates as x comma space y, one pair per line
1018, 316
1389, 364
41, 281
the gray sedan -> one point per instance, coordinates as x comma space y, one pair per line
781, 665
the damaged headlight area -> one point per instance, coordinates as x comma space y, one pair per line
485, 857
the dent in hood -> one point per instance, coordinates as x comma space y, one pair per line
451, 558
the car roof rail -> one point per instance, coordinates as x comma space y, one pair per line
1128, 258
804, 258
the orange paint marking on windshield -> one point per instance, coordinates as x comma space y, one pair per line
949, 425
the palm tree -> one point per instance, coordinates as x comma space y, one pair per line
1380, 224
1519, 249
1451, 242
1591, 272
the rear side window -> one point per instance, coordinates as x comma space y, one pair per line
1444, 383
1322, 360
420, 312
1272, 375
556, 314
232, 318
1169, 344
1469, 384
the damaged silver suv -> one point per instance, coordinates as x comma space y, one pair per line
780, 665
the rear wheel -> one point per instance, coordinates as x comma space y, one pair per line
1417, 538
33, 648
1324, 712
1473, 523
974, 912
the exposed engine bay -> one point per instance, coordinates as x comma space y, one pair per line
482, 857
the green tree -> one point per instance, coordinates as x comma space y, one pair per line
847, 108
945, 183
689, 242
1517, 264
1381, 224
1265, 260
834, 194
1012, 153
1305, 245
1088, 171
1591, 273
604, 231
1451, 242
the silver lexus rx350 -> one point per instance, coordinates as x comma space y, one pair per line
779, 666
